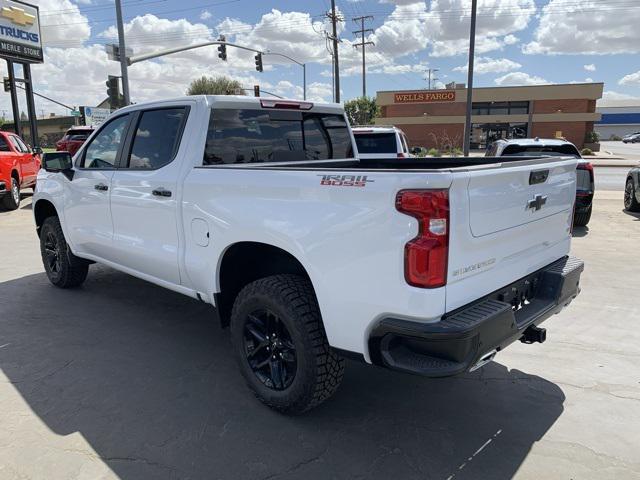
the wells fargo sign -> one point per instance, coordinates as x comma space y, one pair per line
425, 97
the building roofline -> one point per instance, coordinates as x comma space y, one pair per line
497, 86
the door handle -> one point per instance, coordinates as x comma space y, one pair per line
101, 186
161, 192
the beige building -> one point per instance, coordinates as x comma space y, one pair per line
435, 118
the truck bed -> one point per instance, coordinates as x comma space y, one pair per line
415, 164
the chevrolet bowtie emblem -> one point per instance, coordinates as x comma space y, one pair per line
18, 16
537, 202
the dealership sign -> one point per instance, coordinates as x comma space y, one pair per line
95, 116
20, 37
425, 96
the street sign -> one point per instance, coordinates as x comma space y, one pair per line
113, 51
75, 113
95, 116
20, 37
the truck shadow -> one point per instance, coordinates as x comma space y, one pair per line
148, 379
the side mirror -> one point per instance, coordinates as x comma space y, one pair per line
58, 162
37, 151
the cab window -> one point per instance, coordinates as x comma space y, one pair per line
102, 152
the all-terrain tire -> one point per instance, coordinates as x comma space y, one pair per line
11, 199
581, 219
319, 369
630, 202
62, 267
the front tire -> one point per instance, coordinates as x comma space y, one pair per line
281, 346
630, 202
11, 200
62, 267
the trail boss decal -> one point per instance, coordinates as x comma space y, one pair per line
344, 180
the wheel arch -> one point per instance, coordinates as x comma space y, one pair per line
244, 262
42, 210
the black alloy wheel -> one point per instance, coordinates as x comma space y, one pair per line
630, 202
269, 349
52, 254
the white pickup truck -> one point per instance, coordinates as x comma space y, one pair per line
259, 208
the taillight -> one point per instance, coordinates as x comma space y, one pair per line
587, 166
286, 104
426, 255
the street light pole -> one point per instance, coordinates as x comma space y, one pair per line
123, 54
472, 47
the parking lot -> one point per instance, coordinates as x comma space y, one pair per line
122, 379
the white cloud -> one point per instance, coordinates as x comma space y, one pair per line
447, 24
586, 27
590, 67
55, 27
484, 65
519, 78
631, 79
206, 15
319, 92
611, 95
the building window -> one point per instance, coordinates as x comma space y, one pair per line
500, 108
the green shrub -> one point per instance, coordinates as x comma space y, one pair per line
592, 137
433, 152
586, 151
455, 152
615, 138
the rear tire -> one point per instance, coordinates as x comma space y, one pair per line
11, 200
581, 219
281, 346
62, 267
630, 202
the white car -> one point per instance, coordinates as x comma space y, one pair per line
261, 209
380, 141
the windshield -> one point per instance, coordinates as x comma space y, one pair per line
376, 142
250, 136
541, 150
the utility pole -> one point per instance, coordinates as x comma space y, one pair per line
472, 47
363, 44
334, 38
123, 54
431, 72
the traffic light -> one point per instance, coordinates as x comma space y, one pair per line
113, 91
258, 58
7, 84
222, 49
256, 90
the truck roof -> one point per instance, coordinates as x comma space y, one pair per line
245, 101
375, 129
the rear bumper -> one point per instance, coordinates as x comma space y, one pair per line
467, 335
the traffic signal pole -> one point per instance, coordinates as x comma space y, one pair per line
123, 56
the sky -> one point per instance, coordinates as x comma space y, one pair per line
519, 42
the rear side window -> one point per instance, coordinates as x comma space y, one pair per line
156, 138
17, 143
376, 142
256, 136
75, 135
4, 146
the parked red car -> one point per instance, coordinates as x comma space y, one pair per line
73, 139
19, 166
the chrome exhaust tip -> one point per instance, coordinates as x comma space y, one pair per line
486, 358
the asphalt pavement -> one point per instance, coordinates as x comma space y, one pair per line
627, 150
122, 379
610, 178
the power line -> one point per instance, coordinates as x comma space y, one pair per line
363, 45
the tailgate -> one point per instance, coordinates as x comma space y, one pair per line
506, 222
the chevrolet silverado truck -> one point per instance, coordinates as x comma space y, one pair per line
261, 209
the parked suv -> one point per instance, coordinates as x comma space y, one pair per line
380, 141
260, 208
585, 181
73, 139
19, 166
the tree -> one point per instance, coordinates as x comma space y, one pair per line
362, 110
215, 86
